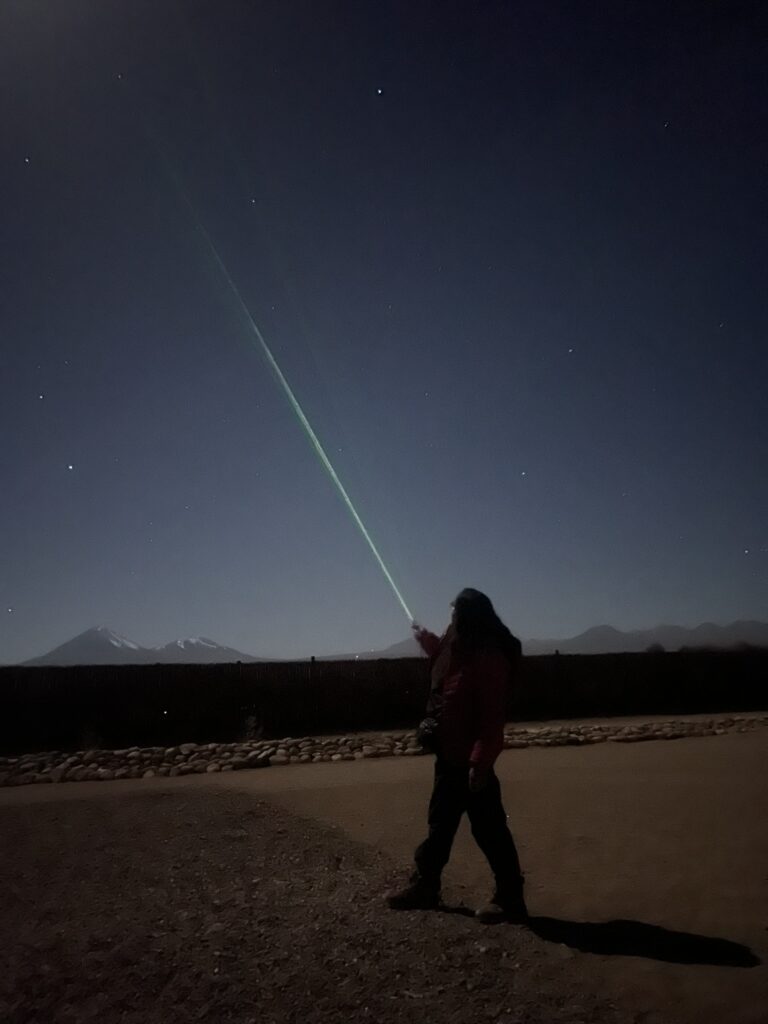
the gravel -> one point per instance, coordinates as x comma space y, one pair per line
210, 906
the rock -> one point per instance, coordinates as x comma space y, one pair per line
148, 773
213, 767
105, 775
278, 759
57, 774
187, 748
336, 757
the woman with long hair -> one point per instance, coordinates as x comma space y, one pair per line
473, 664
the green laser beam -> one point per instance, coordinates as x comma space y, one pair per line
314, 440
156, 137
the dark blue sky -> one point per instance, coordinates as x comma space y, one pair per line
510, 256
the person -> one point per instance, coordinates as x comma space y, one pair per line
472, 665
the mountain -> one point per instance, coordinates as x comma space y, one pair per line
607, 640
404, 649
198, 650
102, 646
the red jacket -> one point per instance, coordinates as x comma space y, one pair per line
473, 711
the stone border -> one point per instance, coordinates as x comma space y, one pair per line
198, 759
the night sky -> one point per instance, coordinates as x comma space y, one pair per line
511, 258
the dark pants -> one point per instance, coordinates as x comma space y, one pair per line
451, 796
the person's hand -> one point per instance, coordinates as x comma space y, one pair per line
417, 629
478, 779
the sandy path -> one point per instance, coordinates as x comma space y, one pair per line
665, 834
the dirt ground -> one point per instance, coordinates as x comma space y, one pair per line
258, 896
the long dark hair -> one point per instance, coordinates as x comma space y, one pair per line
477, 627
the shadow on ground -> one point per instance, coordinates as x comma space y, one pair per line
634, 938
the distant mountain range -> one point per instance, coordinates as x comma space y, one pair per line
607, 640
102, 646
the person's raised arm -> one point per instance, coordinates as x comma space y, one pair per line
428, 641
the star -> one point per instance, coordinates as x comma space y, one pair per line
41, 396
70, 466
9, 610
570, 350
26, 159
379, 92
523, 473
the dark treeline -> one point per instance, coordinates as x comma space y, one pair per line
150, 705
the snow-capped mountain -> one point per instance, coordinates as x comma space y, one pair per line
198, 650
102, 646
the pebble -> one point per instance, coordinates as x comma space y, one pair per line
193, 758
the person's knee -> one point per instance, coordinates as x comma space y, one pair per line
489, 825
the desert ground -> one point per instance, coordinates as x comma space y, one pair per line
257, 896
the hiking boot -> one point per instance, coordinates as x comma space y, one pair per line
503, 908
418, 895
